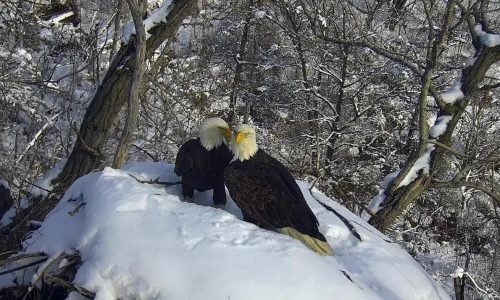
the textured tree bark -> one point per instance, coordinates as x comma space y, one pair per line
137, 9
457, 284
106, 103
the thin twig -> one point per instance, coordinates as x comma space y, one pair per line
344, 196
154, 158
368, 229
461, 183
450, 149
341, 217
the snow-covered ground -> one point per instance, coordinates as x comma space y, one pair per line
140, 241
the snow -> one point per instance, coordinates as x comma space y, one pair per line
488, 39
453, 94
376, 201
140, 241
374, 205
8, 217
157, 17
259, 14
439, 126
4, 183
470, 61
421, 164
56, 21
322, 20
39, 188
43, 185
459, 273
389, 178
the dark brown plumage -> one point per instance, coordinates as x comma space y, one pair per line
269, 196
202, 170
267, 193
201, 162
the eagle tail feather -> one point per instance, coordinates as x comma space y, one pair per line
318, 246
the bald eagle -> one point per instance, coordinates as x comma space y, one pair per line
201, 161
267, 193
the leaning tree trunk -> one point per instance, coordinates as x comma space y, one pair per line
399, 197
108, 100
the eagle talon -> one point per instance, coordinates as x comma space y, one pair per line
189, 199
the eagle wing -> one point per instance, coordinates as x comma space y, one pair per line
184, 160
287, 201
268, 193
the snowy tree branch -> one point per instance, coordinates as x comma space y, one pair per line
450, 149
37, 135
462, 183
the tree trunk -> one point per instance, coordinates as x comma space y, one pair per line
6, 200
239, 66
399, 197
137, 9
116, 29
106, 103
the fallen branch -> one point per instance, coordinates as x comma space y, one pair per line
40, 272
5, 255
20, 256
70, 286
24, 266
155, 181
77, 208
368, 229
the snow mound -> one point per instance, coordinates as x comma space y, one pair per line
140, 241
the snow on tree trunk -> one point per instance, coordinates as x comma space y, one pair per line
451, 108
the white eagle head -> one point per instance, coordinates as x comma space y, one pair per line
243, 143
214, 132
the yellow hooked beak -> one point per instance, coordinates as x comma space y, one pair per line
227, 134
239, 137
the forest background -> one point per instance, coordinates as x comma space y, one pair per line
390, 107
